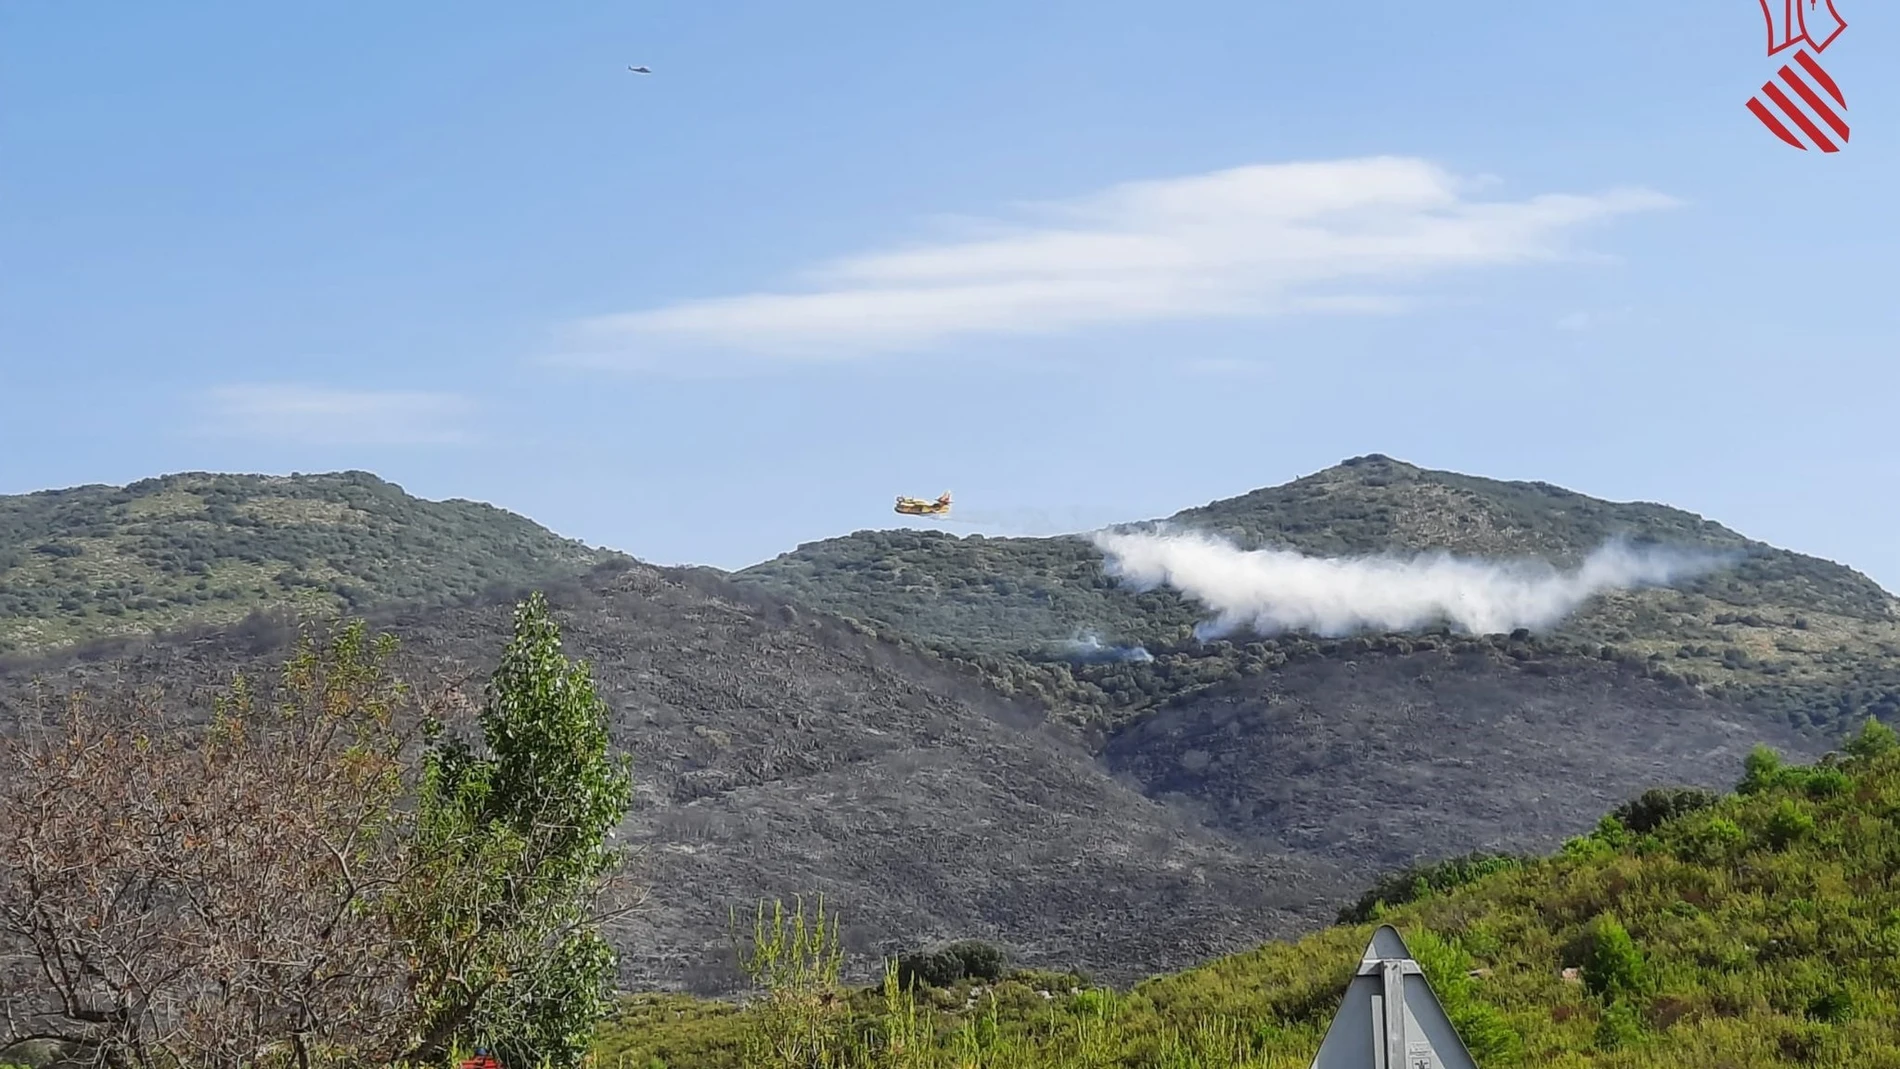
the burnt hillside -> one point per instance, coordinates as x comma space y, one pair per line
779, 752
1386, 758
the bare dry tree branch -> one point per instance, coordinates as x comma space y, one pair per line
201, 896
233, 893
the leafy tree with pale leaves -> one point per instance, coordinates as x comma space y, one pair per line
509, 933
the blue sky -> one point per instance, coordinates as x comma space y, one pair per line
1079, 262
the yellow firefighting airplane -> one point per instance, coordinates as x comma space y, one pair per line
913, 506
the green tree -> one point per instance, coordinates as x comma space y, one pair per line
1613, 966
1875, 739
506, 931
1658, 806
1761, 770
1787, 824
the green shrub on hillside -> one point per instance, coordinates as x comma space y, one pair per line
1658, 806
967, 959
1612, 966
1416, 881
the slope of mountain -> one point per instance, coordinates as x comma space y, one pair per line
1393, 757
103, 560
962, 775
1790, 637
1757, 928
780, 753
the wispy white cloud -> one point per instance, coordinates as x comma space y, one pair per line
1270, 239
323, 416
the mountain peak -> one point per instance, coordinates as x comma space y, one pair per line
1375, 460
204, 547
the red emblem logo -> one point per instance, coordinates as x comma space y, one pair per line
1792, 105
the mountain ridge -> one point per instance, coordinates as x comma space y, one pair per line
1029, 795
206, 547
780, 751
1784, 631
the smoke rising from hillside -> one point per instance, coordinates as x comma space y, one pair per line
1275, 590
1090, 647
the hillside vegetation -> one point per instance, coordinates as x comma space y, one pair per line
779, 751
93, 561
1790, 636
1760, 928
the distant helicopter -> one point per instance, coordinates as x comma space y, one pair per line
639, 70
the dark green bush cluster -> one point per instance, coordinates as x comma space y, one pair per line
1656, 807
1864, 688
968, 959
1763, 771
1418, 881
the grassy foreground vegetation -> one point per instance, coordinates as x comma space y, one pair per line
1760, 928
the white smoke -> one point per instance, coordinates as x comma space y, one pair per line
1274, 590
1090, 647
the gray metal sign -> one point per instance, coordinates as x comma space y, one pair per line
1390, 1019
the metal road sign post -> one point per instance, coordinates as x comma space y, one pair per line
1390, 1019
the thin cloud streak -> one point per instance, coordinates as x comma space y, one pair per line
316, 415
1272, 239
